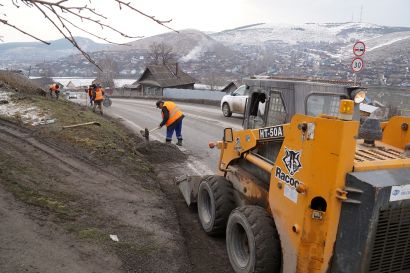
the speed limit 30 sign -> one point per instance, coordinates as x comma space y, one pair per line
357, 65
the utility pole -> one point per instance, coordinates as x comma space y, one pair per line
361, 13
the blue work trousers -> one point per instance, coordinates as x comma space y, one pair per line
177, 127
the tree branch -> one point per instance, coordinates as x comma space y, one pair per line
53, 12
161, 22
70, 39
22, 31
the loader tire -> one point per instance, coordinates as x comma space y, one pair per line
252, 241
215, 203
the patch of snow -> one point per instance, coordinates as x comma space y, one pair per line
294, 34
76, 81
88, 81
388, 43
28, 114
201, 86
121, 82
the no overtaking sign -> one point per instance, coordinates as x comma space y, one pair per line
359, 49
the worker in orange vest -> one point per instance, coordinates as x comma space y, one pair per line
98, 97
171, 117
54, 88
89, 92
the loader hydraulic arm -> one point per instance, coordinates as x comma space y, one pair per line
243, 141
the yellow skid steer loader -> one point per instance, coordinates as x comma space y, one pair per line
305, 187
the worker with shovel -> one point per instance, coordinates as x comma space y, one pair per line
171, 117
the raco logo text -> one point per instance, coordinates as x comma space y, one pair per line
292, 164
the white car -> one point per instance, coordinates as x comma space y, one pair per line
72, 95
235, 102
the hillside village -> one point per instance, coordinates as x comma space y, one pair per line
310, 50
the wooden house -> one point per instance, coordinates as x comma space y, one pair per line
70, 85
157, 77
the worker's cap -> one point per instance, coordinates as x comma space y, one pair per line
159, 102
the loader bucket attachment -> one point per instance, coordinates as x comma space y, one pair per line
188, 186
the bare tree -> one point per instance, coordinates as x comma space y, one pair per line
68, 15
161, 53
108, 72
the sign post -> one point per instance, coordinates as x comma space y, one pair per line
359, 48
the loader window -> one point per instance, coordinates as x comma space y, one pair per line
257, 111
277, 111
327, 104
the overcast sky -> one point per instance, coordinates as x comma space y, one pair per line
212, 15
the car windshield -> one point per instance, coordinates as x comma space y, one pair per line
240, 91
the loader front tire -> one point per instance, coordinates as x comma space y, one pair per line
252, 241
215, 203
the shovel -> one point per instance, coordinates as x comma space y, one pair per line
145, 133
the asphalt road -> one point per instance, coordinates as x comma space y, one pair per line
202, 124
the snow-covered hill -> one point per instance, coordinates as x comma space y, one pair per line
187, 44
306, 33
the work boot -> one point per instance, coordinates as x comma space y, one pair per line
168, 141
179, 143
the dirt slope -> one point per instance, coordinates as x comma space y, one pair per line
72, 206
63, 192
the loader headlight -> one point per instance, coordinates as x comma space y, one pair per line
358, 95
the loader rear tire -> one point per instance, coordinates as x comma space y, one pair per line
215, 203
252, 241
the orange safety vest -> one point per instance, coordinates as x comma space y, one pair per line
99, 94
174, 112
54, 87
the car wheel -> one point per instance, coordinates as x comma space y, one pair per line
252, 241
226, 110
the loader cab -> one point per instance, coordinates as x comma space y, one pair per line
276, 101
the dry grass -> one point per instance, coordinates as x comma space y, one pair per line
106, 143
20, 83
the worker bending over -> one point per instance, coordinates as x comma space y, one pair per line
54, 88
171, 117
